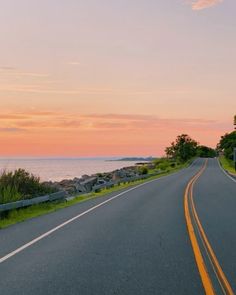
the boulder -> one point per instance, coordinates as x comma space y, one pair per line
66, 182
80, 188
89, 183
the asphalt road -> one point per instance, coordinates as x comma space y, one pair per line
135, 243
215, 200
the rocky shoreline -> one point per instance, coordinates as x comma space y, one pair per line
86, 183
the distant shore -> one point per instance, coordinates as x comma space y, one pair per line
133, 159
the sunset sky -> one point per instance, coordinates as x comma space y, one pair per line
106, 77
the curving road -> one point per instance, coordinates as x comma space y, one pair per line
133, 242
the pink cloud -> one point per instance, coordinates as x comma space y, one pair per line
11, 130
46, 119
202, 4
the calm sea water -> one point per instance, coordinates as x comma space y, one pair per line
58, 169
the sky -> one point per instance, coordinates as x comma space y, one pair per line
112, 78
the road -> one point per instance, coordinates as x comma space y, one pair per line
134, 242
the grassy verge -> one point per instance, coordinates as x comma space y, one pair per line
23, 214
227, 164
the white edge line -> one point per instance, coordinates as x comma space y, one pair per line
32, 242
234, 180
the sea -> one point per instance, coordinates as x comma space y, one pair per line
57, 169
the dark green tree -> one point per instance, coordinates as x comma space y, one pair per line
183, 149
227, 144
206, 152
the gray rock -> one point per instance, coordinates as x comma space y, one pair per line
86, 183
80, 188
89, 183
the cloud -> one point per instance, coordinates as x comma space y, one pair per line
38, 119
202, 4
7, 68
25, 115
30, 89
34, 88
39, 113
12, 71
140, 122
109, 125
30, 74
57, 123
42, 119
142, 117
120, 116
74, 63
12, 130
13, 117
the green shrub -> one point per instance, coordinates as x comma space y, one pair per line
9, 194
227, 144
163, 166
20, 185
143, 170
157, 162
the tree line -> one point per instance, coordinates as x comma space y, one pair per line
185, 148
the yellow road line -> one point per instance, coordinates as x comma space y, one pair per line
207, 284
221, 276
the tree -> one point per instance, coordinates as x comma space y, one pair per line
227, 144
206, 152
183, 149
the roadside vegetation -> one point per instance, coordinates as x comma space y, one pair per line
226, 149
20, 185
227, 164
227, 144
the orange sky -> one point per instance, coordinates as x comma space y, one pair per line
82, 79
72, 134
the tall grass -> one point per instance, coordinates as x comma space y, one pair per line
165, 164
227, 164
19, 185
9, 194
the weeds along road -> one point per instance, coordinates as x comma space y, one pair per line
146, 240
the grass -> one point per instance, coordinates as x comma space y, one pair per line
19, 185
228, 165
9, 194
23, 214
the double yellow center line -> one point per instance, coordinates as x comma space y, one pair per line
193, 225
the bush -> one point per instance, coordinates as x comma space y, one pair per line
9, 194
20, 185
143, 170
163, 166
206, 152
227, 144
157, 162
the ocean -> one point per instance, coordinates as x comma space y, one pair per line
63, 168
